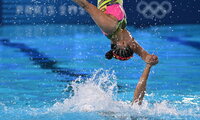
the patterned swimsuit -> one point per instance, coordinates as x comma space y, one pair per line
114, 8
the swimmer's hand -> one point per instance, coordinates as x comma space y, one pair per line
151, 59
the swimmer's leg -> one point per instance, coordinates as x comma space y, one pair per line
107, 23
141, 86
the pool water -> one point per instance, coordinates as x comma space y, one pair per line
58, 72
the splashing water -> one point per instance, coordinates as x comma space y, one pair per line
97, 94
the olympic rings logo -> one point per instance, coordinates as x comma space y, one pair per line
154, 9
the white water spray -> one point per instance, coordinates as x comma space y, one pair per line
98, 94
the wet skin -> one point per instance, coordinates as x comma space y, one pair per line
123, 38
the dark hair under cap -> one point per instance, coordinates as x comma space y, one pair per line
119, 53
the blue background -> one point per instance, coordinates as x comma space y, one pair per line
39, 62
183, 12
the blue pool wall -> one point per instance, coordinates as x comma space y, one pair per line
66, 12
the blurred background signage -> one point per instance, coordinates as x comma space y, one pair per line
139, 12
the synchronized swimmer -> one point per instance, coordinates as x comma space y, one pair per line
110, 16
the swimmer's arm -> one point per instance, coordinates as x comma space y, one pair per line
139, 50
141, 86
148, 58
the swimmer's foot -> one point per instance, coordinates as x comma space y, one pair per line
82, 3
151, 59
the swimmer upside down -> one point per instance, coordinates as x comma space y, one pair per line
110, 16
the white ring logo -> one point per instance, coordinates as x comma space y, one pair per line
154, 9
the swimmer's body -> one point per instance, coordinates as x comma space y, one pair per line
111, 19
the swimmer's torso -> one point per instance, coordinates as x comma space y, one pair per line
104, 3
